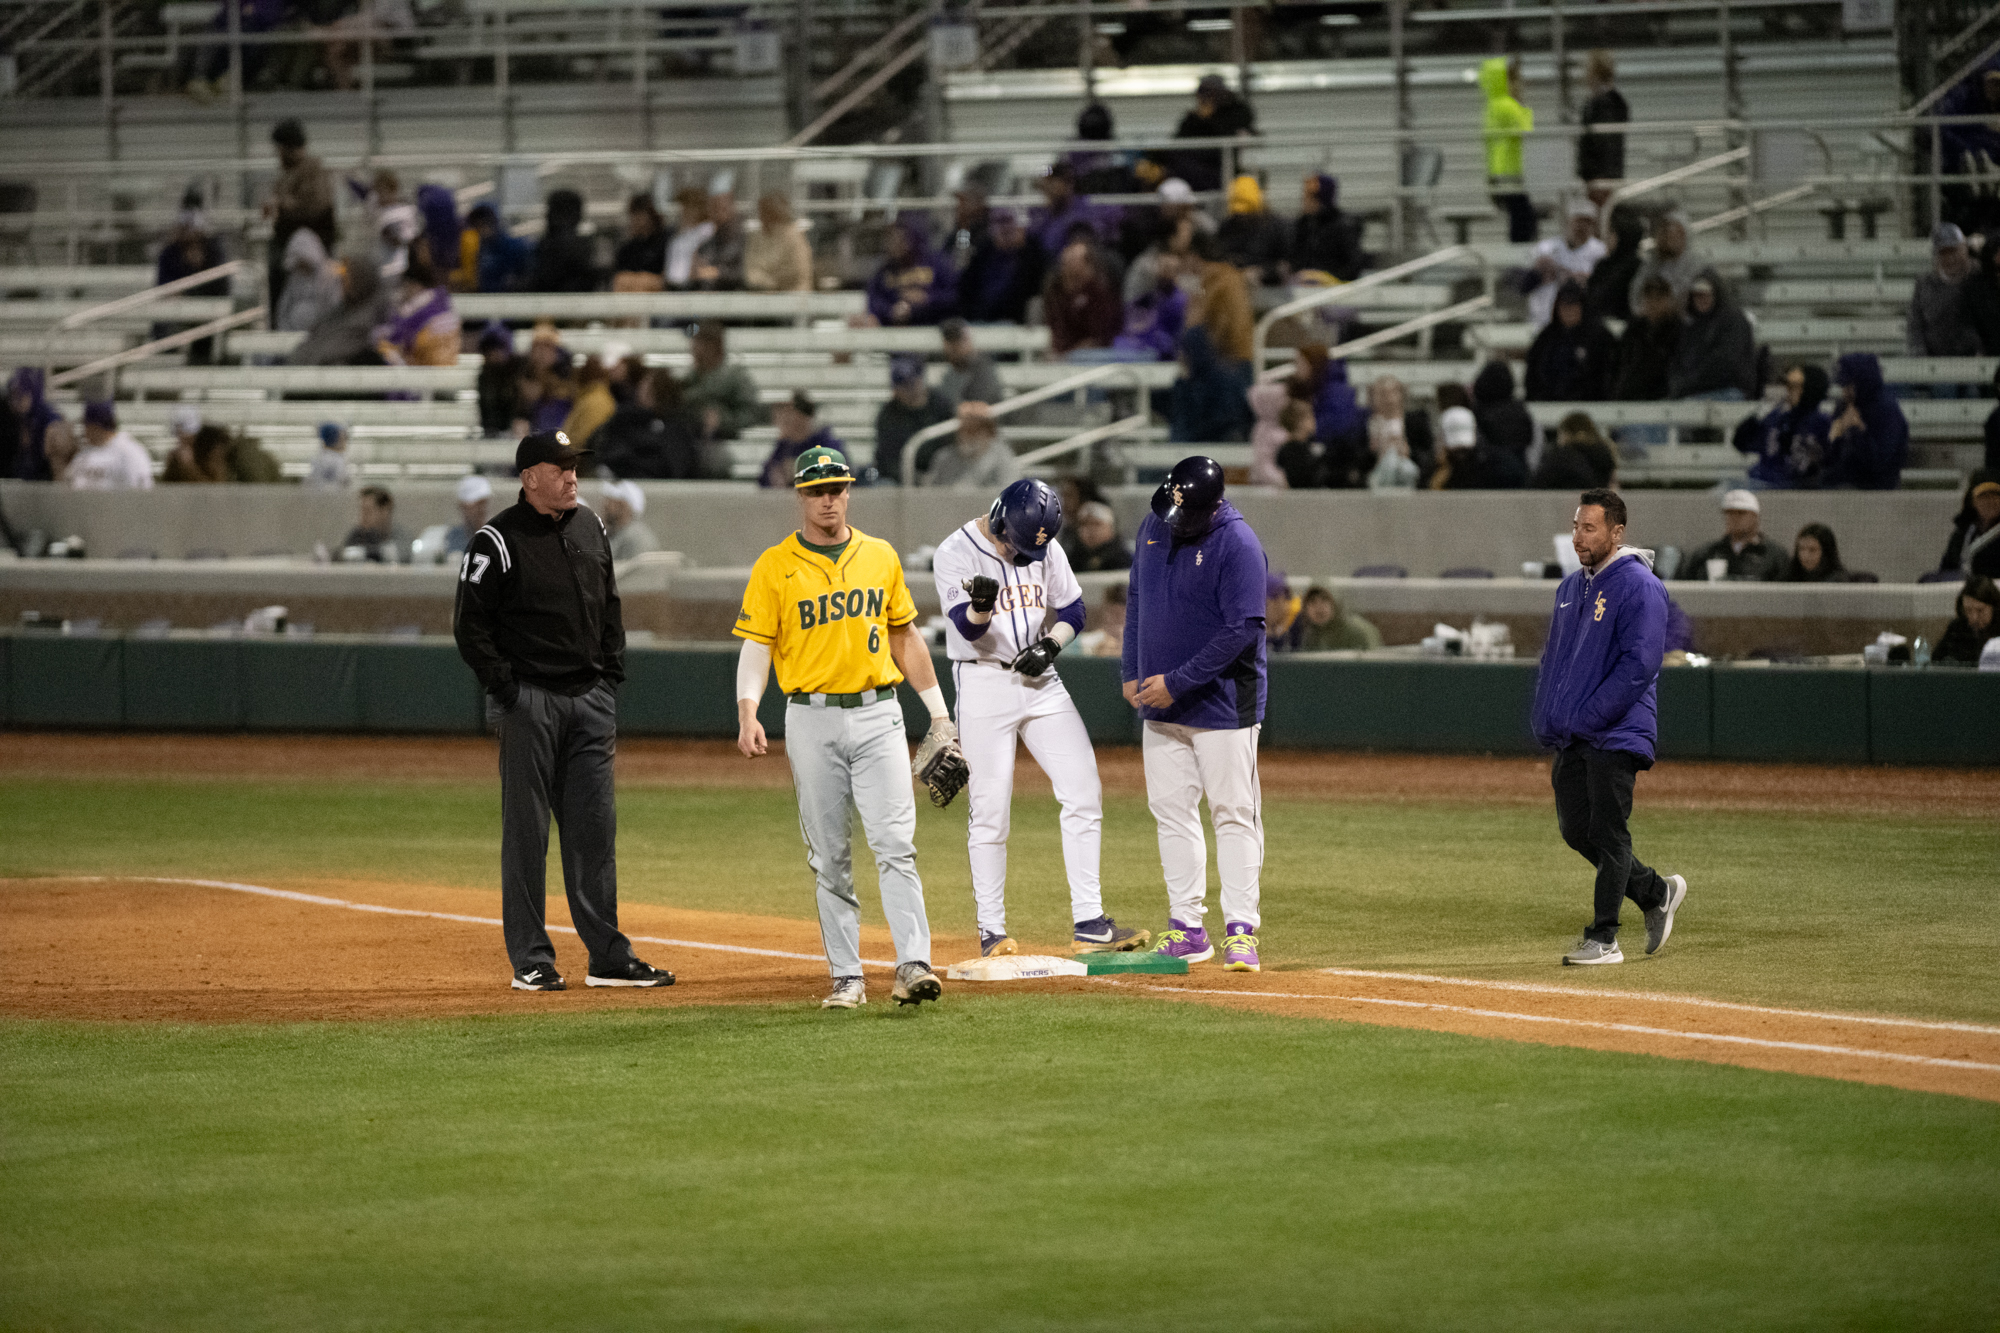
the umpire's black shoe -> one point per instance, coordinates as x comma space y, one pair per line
539, 977
631, 972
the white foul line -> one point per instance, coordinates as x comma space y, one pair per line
1657, 997
317, 900
1576, 1022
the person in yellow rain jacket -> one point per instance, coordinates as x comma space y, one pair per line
1506, 117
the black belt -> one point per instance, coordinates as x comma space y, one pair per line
844, 700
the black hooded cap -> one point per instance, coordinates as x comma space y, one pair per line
565, 210
1495, 384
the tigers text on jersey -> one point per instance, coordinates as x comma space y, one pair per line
1030, 595
828, 621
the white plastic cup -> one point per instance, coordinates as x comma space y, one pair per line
1718, 570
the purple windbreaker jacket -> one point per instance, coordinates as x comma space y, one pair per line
1195, 614
1600, 675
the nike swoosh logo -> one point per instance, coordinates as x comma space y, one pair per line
1558, 608
1154, 542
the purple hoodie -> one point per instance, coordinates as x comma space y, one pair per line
926, 281
1195, 615
1872, 458
1600, 675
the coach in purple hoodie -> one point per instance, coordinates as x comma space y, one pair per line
1194, 668
1596, 706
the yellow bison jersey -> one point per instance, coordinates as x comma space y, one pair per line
828, 617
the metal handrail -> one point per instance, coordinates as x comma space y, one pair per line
1380, 278
1006, 406
1381, 336
1764, 205
1070, 444
1677, 175
156, 346
147, 296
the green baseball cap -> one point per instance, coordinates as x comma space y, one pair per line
818, 466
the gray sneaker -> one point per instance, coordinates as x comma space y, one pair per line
846, 993
915, 983
1660, 920
1589, 953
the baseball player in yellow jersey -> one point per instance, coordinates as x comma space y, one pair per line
829, 608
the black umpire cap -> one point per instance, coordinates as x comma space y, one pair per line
548, 446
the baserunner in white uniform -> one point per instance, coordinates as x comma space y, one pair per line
1014, 604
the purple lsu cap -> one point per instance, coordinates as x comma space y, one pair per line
103, 413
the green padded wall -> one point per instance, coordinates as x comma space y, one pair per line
1799, 714
299, 685
54, 681
1934, 717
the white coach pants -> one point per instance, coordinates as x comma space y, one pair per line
996, 706
1183, 764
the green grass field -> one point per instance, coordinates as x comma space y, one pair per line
1017, 1162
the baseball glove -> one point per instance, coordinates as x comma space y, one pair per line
1037, 657
940, 765
983, 591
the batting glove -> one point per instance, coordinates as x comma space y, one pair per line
1037, 657
983, 591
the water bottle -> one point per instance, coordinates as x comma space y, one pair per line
1920, 651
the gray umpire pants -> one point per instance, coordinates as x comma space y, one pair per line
555, 757
857, 759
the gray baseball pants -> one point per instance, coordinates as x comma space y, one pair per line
857, 759
556, 754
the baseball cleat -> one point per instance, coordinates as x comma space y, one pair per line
993, 944
1103, 935
915, 983
1239, 948
631, 972
847, 992
1590, 953
539, 977
1660, 920
1180, 940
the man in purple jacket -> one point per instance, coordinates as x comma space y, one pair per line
1194, 668
1596, 706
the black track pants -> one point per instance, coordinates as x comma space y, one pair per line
1593, 801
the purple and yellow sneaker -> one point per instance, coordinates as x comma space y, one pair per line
992, 944
1180, 940
1239, 948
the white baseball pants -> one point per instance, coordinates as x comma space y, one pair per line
995, 707
1183, 764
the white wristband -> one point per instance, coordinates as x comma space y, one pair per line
934, 700
1062, 633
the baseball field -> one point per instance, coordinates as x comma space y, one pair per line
262, 1068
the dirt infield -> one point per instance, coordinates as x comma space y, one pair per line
181, 950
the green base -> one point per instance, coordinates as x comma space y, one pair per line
1101, 964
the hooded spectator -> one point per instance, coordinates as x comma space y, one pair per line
504, 259
1673, 258
624, 521
1974, 547
722, 395
1745, 553
1938, 324
565, 260
109, 459
498, 386
1471, 462
1251, 238
640, 262
655, 435
301, 196
915, 284
1064, 210
1651, 342
1099, 172
1971, 148
443, 236
1717, 356
1267, 434
593, 404
776, 257
312, 284
1392, 430
1503, 420
1208, 403
1973, 625
1575, 358
1561, 260
1153, 321
718, 261
977, 456
1608, 293
1005, 272
1601, 156
1093, 544
1871, 437
913, 405
1324, 239
1581, 459
1791, 441
1218, 113
1078, 302
345, 336
1815, 557
424, 330
1324, 626
970, 375
1505, 120
797, 420
1336, 413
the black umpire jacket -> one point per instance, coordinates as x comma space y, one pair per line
537, 602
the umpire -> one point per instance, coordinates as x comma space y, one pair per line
537, 620
1596, 706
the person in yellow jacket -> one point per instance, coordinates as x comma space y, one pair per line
1506, 118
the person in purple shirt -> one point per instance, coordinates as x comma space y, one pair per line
1067, 210
1194, 668
1596, 706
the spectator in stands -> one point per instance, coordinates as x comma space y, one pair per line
1870, 436
1815, 557
346, 335
1302, 457
499, 382
718, 264
694, 227
376, 534
1005, 273
1336, 414
1971, 149
191, 248
329, 469
723, 396
1106, 635
183, 423
1472, 462
624, 515
1993, 430
1973, 626
1100, 172
1222, 306
1575, 358
912, 406
1791, 442
392, 220
1651, 342
1208, 401
1064, 211
110, 459
312, 284
565, 260
475, 500
1267, 434
1325, 241
776, 257
1178, 241
1608, 293
1505, 120
1673, 259
1982, 292
547, 384
976, 457
655, 435
1601, 156
300, 197
443, 239
1974, 547
1324, 626
1281, 612
1092, 542
1078, 302
425, 330
1717, 356
915, 284
504, 259
203, 458
1938, 324
1218, 113
797, 420
1154, 319
592, 406
1562, 259
1394, 432
1581, 459
970, 221
1251, 237
1747, 555
640, 262
1503, 420
970, 375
